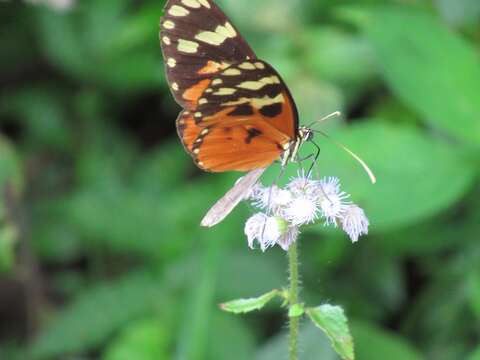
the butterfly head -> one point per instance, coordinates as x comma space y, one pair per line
305, 134
291, 152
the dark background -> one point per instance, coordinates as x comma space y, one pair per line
101, 252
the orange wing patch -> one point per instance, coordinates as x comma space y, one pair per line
194, 93
225, 143
212, 67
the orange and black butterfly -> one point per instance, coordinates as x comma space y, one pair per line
238, 114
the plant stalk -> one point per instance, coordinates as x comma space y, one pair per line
293, 294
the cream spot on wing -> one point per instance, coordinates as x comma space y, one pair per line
171, 62
198, 114
225, 92
199, 140
169, 25
175, 87
196, 151
257, 102
232, 72
191, 3
260, 65
166, 40
247, 66
240, 101
187, 46
202, 101
210, 37
217, 82
209, 90
204, 132
200, 163
176, 10
204, 3
227, 31
256, 85
218, 36
230, 29
266, 100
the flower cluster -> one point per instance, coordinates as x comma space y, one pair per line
302, 201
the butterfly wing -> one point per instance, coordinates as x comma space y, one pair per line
244, 119
227, 203
238, 113
197, 41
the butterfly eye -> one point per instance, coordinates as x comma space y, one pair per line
305, 134
308, 135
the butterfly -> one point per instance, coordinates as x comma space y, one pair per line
238, 114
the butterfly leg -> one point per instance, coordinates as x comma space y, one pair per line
313, 156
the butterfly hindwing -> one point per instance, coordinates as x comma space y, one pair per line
250, 89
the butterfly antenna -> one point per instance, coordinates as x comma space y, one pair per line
372, 177
336, 113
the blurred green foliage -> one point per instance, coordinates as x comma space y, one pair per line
101, 252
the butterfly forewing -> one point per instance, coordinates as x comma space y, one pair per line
238, 113
197, 42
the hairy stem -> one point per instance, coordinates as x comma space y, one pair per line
293, 299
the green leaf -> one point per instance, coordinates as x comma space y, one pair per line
475, 355
400, 157
10, 167
459, 12
62, 43
41, 111
329, 53
319, 98
8, 240
473, 286
229, 337
96, 314
313, 347
199, 307
372, 343
240, 306
253, 273
430, 68
333, 322
144, 340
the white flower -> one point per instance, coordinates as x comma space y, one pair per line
267, 230
332, 200
272, 198
301, 210
330, 185
255, 191
354, 222
289, 237
303, 185
302, 202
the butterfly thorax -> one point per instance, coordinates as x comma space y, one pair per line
291, 152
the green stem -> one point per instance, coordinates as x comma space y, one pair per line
293, 299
